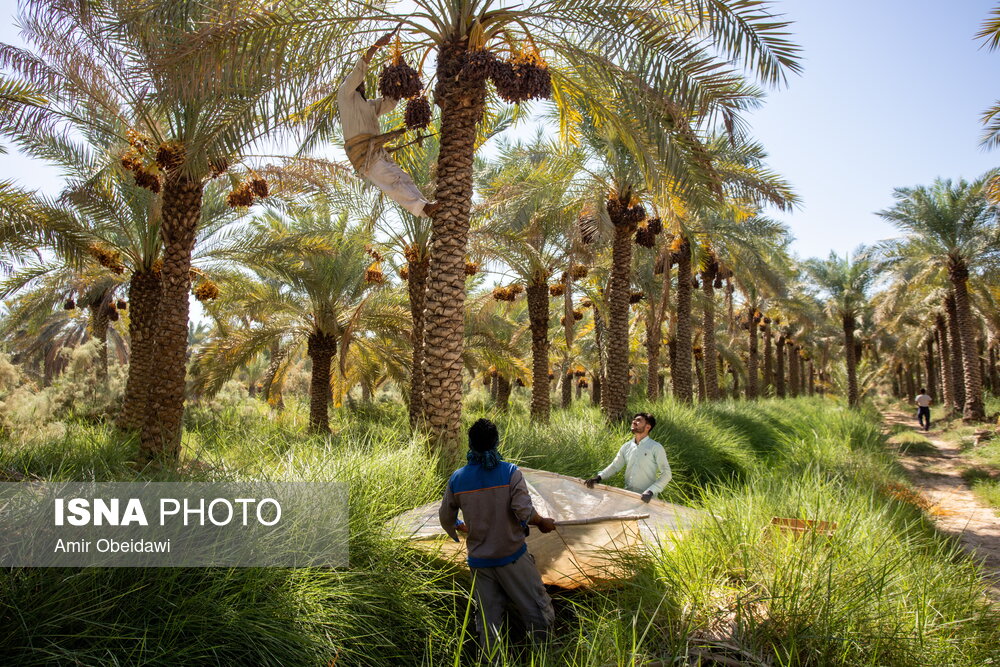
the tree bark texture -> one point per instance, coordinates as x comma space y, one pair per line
768, 357
503, 393
164, 415
595, 389
321, 348
852, 371
538, 315
271, 392
753, 361
567, 396
710, 354
654, 332
99, 330
600, 338
779, 367
680, 372
619, 290
416, 286
928, 355
973, 409
955, 343
144, 303
944, 361
461, 105
793, 370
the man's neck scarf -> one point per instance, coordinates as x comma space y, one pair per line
489, 459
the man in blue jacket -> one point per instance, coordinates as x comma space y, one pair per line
497, 509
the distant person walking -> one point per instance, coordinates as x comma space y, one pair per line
924, 409
497, 509
646, 468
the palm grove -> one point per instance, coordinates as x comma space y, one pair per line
624, 249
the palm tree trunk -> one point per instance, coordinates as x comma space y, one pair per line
680, 372
711, 356
271, 392
161, 430
974, 409
567, 397
503, 393
929, 367
802, 375
99, 330
812, 378
779, 371
736, 381
852, 372
567, 388
538, 315
955, 342
793, 370
321, 348
730, 309
752, 357
699, 370
461, 102
768, 357
654, 341
144, 301
599, 396
619, 291
416, 285
994, 376
944, 357
595, 389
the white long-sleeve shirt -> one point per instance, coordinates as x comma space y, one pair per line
646, 466
358, 115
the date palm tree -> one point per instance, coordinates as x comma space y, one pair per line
671, 54
951, 229
529, 207
319, 291
845, 282
188, 115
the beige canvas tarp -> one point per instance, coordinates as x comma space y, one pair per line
593, 528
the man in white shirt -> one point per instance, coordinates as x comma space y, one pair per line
924, 409
646, 468
364, 141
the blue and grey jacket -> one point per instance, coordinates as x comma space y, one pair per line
496, 507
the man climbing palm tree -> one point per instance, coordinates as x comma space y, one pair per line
365, 143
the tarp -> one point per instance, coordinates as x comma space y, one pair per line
593, 528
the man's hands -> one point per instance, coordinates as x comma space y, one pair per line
544, 523
593, 480
382, 41
647, 496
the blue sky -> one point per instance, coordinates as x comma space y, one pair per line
890, 95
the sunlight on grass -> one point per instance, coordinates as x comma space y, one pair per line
882, 589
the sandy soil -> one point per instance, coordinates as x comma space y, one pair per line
956, 510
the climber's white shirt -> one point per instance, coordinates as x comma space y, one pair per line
642, 462
358, 115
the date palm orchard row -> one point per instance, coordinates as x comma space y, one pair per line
208, 82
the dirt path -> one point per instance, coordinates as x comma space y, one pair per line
956, 511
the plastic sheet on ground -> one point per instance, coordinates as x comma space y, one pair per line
594, 528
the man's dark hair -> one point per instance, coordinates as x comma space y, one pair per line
361, 90
923, 391
483, 436
650, 419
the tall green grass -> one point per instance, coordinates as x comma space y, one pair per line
883, 589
